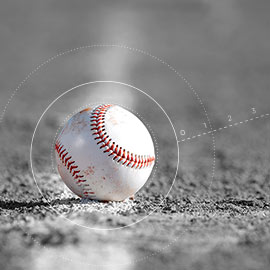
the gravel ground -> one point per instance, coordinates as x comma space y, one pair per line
192, 228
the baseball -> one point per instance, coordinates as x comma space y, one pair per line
104, 153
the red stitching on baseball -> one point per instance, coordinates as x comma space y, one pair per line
71, 167
118, 154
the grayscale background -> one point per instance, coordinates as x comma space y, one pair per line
216, 215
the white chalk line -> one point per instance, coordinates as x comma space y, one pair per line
222, 128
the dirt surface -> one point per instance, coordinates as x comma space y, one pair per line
205, 232
205, 222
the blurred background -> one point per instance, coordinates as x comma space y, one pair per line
221, 47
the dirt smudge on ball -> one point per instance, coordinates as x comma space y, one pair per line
90, 170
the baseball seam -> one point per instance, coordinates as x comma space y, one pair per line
118, 154
71, 166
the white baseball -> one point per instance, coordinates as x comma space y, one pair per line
105, 153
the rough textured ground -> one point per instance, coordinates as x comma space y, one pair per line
206, 232
221, 223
